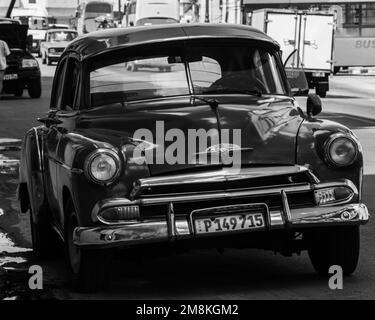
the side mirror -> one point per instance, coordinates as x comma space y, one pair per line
313, 104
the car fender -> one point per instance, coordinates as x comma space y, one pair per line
31, 189
311, 139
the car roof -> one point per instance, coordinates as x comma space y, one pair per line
97, 42
9, 20
61, 30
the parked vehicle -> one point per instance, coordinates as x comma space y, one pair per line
88, 173
354, 36
55, 43
311, 33
148, 12
10, 21
88, 11
22, 68
37, 21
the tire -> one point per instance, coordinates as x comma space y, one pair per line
45, 242
34, 89
89, 269
44, 60
19, 91
334, 246
321, 92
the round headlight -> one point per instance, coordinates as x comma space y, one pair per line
103, 166
341, 150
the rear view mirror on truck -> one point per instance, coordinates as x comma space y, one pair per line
296, 75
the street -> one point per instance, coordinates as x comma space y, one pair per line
234, 274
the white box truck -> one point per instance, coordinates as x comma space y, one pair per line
311, 33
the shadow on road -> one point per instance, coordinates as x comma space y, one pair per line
351, 121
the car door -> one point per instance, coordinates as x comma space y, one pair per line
61, 120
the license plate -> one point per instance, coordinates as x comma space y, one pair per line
318, 74
230, 223
13, 76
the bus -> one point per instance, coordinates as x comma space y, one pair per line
148, 12
87, 15
36, 19
354, 37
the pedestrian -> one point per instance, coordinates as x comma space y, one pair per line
4, 52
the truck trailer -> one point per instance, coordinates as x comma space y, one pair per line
310, 33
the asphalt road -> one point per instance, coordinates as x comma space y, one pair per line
236, 274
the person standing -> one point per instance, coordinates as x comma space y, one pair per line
4, 52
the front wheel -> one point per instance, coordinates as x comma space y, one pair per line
321, 91
89, 269
34, 89
45, 241
334, 246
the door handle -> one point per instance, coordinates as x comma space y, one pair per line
49, 121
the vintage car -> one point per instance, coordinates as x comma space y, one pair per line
22, 68
116, 163
54, 44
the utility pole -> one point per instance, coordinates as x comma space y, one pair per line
207, 16
10, 8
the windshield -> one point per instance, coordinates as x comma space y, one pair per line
218, 69
59, 36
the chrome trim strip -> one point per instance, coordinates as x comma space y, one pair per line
222, 175
157, 231
40, 162
241, 193
283, 191
171, 221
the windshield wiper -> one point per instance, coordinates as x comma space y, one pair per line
234, 90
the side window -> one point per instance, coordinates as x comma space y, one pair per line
70, 85
58, 85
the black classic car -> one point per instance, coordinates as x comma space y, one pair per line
22, 68
213, 152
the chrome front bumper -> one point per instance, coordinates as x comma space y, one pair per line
171, 228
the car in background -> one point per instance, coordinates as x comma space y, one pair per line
22, 68
55, 43
10, 21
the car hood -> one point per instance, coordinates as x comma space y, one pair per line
268, 127
15, 35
